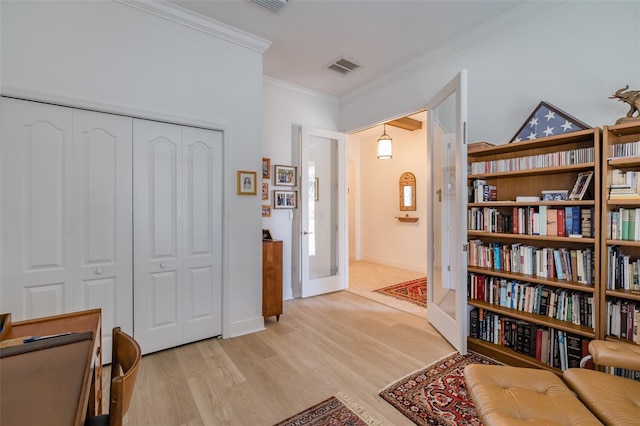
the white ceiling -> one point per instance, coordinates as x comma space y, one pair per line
380, 36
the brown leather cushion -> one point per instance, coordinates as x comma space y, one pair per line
615, 400
514, 396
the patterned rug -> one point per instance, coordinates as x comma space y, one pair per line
337, 410
414, 291
436, 395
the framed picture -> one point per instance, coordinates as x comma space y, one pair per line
547, 120
266, 234
285, 199
313, 189
246, 182
265, 191
581, 186
285, 176
266, 210
266, 168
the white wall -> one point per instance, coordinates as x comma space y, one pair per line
285, 109
573, 56
384, 239
112, 57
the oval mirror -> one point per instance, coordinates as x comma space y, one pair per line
407, 192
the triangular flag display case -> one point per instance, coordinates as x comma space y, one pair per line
547, 120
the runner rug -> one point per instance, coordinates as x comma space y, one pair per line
337, 410
414, 291
437, 395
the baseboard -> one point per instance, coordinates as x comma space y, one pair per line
386, 262
244, 327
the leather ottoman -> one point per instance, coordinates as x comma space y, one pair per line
514, 396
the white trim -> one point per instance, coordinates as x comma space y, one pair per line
272, 83
507, 20
182, 16
245, 327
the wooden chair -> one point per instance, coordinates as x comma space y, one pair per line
125, 360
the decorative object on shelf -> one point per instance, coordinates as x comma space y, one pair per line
246, 183
285, 176
265, 191
266, 235
266, 168
555, 194
314, 189
632, 97
581, 185
547, 120
407, 218
472, 147
385, 145
266, 210
407, 192
285, 199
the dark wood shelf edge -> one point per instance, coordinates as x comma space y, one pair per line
485, 234
570, 285
624, 294
507, 356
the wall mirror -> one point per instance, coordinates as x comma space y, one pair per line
407, 192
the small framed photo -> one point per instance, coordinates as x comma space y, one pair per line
266, 210
266, 234
285, 176
265, 191
266, 168
246, 183
581, 186
285, 199
313, 189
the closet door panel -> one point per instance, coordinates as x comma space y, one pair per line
202, 182
103, 274
36, 175
157, 235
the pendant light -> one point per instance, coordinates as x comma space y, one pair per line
385, 148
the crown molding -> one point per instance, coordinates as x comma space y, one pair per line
501, 23
187, 18
273, 83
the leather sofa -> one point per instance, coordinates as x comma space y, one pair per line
505, 395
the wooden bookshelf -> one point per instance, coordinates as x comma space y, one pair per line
618, 138
492, 165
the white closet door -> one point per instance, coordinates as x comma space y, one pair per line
157, 242
102, 210
36, 221
202, 233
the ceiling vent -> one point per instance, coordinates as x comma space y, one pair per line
274, 6
343, 66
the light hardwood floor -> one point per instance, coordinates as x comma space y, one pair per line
321, 345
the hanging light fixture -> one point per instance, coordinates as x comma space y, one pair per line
385, 148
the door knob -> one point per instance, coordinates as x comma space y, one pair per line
163, 265
98, 271
307, 233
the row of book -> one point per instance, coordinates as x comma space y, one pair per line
562, 263
624, 184
564, 305
627, 149
623, 224
540, 220
623, 272
483, 192
622, 319
550, 346
551, 159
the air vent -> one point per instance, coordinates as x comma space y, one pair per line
274, 6
342, 66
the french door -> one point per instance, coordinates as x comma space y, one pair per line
447, 190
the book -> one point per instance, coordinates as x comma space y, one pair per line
552, 222
574, 350
561, 223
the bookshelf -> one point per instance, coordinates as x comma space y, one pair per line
620, 249
531, 267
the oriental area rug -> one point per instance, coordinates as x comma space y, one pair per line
437, 395
337, 410
414, 291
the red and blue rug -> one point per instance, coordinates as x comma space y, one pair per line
338, 410
414, 291
437, 395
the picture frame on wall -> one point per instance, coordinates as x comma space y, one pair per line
266, 168
246, 182
266, 210
266, 234
285, 199
285, 175
265, 191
